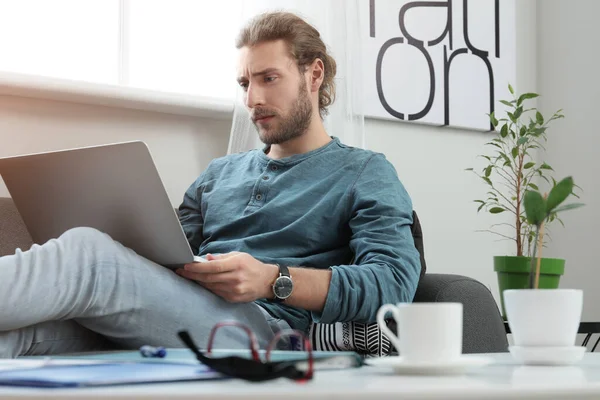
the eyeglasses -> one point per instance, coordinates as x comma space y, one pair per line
253, 369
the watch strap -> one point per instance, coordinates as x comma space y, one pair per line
283, 270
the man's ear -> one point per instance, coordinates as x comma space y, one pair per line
317, 74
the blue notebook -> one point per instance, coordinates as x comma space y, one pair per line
102, 374
323, 360
129, 367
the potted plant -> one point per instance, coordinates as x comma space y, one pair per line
541, 318
509, 172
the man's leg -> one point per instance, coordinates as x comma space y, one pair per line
52, 337
87, 277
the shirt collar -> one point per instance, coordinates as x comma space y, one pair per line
296, 158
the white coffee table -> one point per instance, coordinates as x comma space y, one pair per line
501, 380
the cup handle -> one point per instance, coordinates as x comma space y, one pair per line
383, 310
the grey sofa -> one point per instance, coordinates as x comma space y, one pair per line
483, 331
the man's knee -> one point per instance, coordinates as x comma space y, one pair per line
83, 235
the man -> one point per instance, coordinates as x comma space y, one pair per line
305, 230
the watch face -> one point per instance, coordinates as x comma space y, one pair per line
283, 287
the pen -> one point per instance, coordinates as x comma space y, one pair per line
151, 351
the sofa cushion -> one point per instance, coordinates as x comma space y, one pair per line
13, 233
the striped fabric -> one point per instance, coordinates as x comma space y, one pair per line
365, 339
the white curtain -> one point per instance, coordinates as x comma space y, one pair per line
338, 23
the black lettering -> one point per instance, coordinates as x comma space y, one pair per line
447, 63
372, 18
447, 30
470, 46
497, 22
384, 103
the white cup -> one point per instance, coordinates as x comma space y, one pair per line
427, 332
544, 317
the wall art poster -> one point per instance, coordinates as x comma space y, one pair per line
444, 63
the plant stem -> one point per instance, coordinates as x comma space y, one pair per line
532, 269
511, 182
539, 256
518, 221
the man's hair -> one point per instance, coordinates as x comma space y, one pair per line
304, 42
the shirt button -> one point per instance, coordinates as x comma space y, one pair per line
265, 178
259, 197
274, 167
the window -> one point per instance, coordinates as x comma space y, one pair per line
184, 46
70, 39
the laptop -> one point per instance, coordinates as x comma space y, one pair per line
113, 188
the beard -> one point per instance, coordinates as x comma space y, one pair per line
291, 126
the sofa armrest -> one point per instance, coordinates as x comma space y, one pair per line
483, 327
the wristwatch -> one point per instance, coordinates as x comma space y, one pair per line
283, 285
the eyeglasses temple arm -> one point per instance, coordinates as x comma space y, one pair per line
189, 342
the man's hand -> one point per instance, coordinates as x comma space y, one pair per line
236, 277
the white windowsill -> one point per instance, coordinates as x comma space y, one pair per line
39, 87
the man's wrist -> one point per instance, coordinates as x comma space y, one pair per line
273, 275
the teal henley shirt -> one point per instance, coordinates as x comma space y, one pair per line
335, 207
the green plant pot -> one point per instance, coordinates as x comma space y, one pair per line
513, 273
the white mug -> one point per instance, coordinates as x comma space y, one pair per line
427, 332
544, 317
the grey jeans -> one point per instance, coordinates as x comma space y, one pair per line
87, 292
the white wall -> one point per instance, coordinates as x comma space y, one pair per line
568, 79
181, 146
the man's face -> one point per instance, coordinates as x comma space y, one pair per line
275, 92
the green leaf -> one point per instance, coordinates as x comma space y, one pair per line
478, 201
493, 120
512, 117
526, 96
539, 118
534, 186
546, 166
468, 169
535, 207
480, 207
522, 140
504, 131
506, 103
566, 207
543, 177
515, 152
496, 210
518, 112
523, 131
559, 193
510, 89
529, 165
488, 171
489, 182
